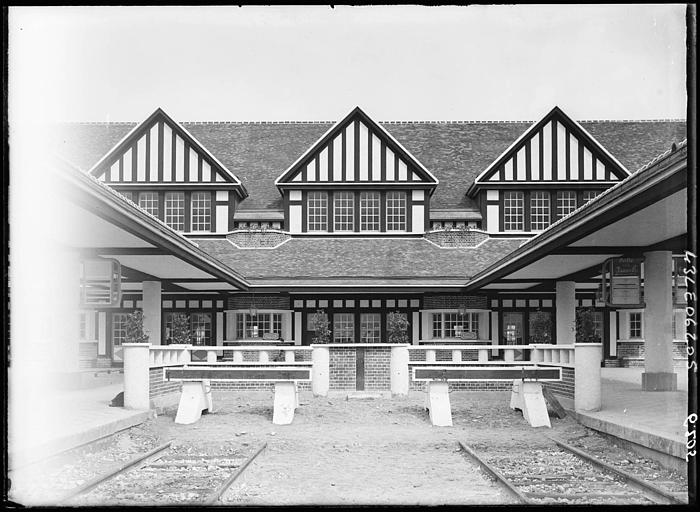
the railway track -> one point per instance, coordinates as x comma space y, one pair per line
558, 473
164, 476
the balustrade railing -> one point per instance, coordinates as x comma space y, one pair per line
169, 355
551, 354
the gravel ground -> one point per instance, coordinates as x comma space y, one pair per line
336, 452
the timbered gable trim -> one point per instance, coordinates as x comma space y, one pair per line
387, 162
138, 159
523, 161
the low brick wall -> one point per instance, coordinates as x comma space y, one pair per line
631, 353
252, 386
158, 386
342, 368
567, 385
489, 385
378, 368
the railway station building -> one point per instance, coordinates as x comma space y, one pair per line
477, 233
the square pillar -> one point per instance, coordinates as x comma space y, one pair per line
566, 312
658, 329
152, 308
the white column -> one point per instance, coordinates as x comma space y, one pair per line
320, 375
566, 312
136, 381
416, 327
657, 329
297, 328
399, 370
151, 311
587, 387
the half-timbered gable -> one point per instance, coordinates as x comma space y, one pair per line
357, 179
549, 171
161, 167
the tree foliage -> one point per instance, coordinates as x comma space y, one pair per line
134, 328
319, 321
397, 327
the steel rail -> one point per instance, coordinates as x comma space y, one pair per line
502, 480
214, 496
120, 469
634, 480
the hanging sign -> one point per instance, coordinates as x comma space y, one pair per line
622, 282
100, 283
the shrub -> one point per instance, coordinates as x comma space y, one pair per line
585, 326
398, 327
134, 328
180, 329
319, 321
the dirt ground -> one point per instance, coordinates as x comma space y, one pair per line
359, 452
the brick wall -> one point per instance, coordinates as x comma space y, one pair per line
246, 301
378, 368
342, 368
564, 388
158, 386
631, 353
456, 237
252, 386
454, 301
258, 238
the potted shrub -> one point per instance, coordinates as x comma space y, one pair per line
540, 327
134, 328
320, 323
180, 329
397, 327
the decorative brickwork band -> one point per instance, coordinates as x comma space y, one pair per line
454, 301
257, 239
457, 237
246, 301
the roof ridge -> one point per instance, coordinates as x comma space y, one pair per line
473, 121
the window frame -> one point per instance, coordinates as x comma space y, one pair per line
344, 214
200, 211
367, 201
168, 209
543, 217
400, 211
320, 211
438, 318
146, 201
566, 195
509, 196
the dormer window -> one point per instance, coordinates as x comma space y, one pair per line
317, 211
344, 211
175, 210
369, 211
539, 210
566, 202
201, 211
149, 202
396, 211
513, 211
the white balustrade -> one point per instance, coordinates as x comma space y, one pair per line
430, 356
456, 356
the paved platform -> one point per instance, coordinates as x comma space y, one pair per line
650, 419
42, 423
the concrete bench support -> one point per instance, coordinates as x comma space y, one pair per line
195, 398
286, 401
437, 401
528, 397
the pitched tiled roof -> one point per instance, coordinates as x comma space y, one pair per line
257, 153
337, 258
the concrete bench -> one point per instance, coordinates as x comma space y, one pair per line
526, 393
196, 387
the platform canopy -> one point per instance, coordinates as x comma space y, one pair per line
645, 212
102, 223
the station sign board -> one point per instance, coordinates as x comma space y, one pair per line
100, 283
622, 282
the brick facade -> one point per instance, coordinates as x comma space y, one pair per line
457, 237
454, 302
246, 301
630, 354
342, 368
566, 387
377, 368
159, 386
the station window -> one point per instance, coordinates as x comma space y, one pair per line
396, 211
175, 210
635, 325
566, 202
149, 202
201, 211
513, 211
454, 325
369, 211
317, 211
343, 327
344, 211
370, 328
201, 328
539, 210
255, 326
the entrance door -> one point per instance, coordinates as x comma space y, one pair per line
513, 332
